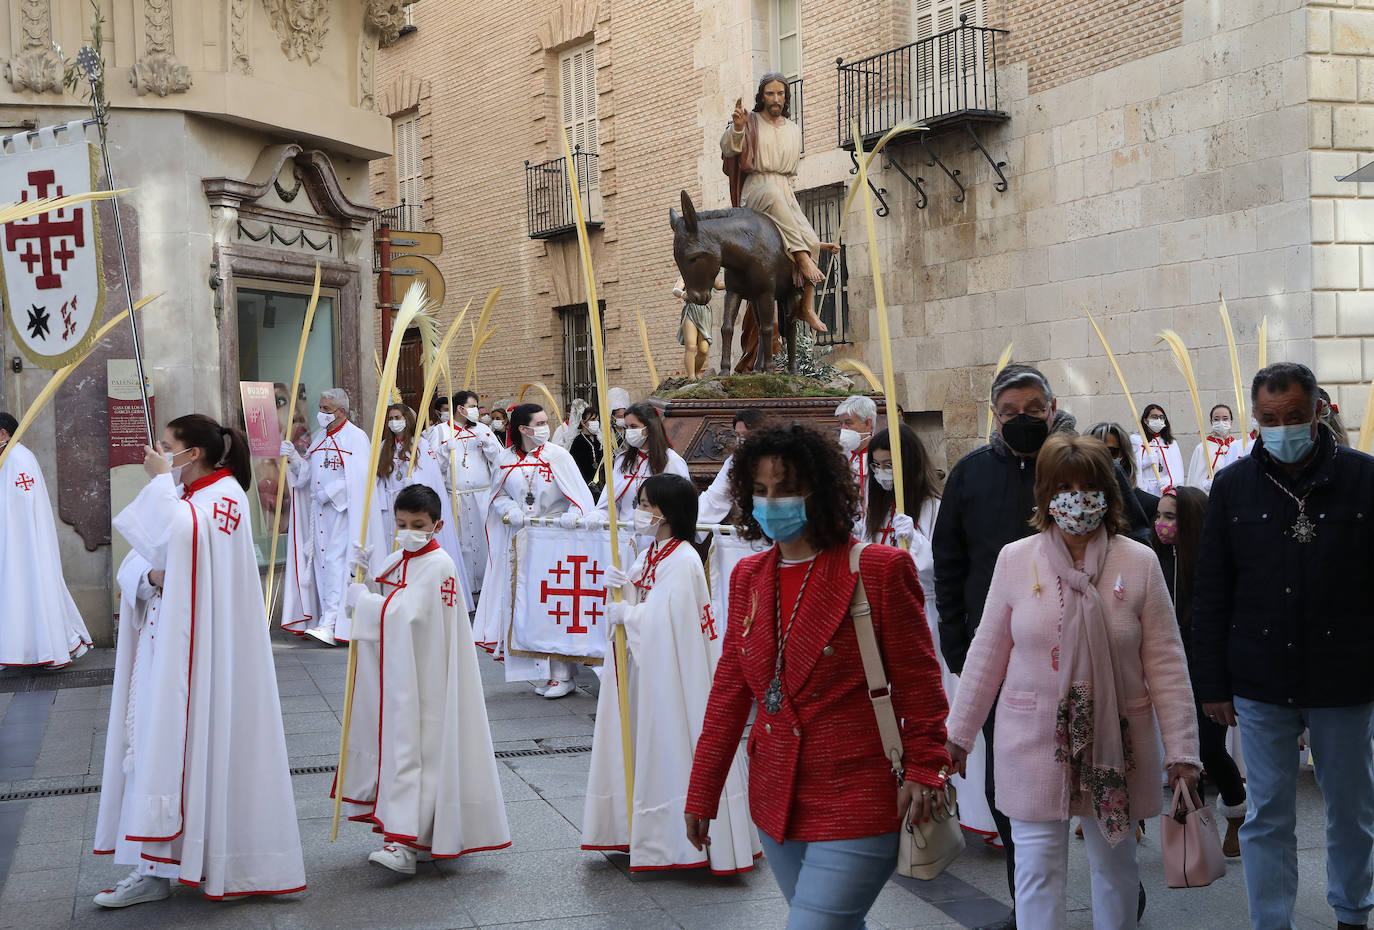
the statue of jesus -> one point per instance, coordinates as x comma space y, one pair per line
761, 151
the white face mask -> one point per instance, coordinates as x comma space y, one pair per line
646, 522
1221, 428
619, 422
326, 420
594, 427
445, 417
171, 463
471, 413
1156, 424
540, 434
884, 478
637, 437
486, 419
850, 440
412, 540
396, 426
498, 424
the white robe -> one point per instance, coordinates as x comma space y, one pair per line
858, 467
39, 624
673, 646
550, 476
381, 525
627, 484
471, 454
715, 503
196, 774
326, 519
1222, 452
1156, 477
974, 813
420, 763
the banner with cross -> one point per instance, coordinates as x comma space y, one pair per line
559, 608
52, 276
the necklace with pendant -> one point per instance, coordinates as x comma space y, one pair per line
1303, 529
772, 697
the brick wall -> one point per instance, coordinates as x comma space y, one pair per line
1062, 41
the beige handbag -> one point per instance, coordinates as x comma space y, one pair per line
926, 848
1192, 848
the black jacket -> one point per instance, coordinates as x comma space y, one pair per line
1275, 619
987, 502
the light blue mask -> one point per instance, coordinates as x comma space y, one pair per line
1288, 444
783, 519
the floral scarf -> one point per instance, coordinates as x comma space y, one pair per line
1092, 740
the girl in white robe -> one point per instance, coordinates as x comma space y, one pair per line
196, 785
1159, 460
646, 453
883, 525
674, 644
471, 450
1222, 447
420, 763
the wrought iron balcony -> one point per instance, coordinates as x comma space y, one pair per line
407, 216
548, 197
947, 78
794, 93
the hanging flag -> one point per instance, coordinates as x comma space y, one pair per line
52, 277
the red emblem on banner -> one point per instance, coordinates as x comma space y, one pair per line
45, 231
227, 515
576, 593
24, 482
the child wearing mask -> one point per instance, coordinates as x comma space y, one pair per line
1159, 461
1221, 448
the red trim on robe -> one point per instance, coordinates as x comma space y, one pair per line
188, 489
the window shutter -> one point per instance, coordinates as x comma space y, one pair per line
409, 167
577, 100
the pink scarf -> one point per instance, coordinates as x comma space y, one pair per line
1092, 741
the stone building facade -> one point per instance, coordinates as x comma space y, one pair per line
245, 128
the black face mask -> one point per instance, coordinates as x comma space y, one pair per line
1025, 433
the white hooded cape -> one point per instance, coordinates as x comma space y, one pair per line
196, 773
39, 624
420, 763
672, 656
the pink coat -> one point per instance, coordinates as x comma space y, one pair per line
1013, 651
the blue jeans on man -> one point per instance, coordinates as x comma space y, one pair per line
1342, 740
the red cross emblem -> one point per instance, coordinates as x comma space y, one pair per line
886, 535
24, 482
449, 591
227, 515
333, 462
708, 622
46, 230
576, 592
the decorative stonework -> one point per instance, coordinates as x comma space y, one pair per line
367, 69
385, 18
405, 93
238, 37
158, 71
301, 25
571, 21
37, 66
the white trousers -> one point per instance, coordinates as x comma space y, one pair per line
1042, 874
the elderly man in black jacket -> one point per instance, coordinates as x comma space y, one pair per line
987, 503
1283, 638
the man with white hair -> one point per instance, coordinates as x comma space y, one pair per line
329, 485
857, 416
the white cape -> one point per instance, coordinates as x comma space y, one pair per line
39, 624
674, 645
420, 763
196, 773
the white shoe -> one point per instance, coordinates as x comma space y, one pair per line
544, 688
396, 858
324, 634
135, 889
559, 689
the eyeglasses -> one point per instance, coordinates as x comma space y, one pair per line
1037, 412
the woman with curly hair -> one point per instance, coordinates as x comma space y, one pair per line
821, 789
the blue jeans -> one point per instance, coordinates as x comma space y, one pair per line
1344, 761
831, 885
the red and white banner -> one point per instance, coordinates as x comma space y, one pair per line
51, 274
560, 592
727, 550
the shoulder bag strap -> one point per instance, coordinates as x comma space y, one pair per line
879, 691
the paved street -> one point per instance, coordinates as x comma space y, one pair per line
52, 742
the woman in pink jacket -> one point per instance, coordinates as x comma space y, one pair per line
1079, 636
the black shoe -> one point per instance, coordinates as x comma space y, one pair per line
1140, 904
1006, 923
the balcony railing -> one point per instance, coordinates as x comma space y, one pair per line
548, 198
944, 78
794, 93
407, 216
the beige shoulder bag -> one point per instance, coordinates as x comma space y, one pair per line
926, 848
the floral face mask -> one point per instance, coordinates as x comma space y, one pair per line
1078, 513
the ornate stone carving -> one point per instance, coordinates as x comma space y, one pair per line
367, 61
385, 18
238, 37
37, 66
158, 71
301, 25
223, 220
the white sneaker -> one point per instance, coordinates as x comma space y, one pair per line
396, 858
135, 889
544, 688
324, 634
559, 689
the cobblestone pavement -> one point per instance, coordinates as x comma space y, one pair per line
52, 743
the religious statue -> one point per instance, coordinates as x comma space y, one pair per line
694, 331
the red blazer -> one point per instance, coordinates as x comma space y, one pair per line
816, 767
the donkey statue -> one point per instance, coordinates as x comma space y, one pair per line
757, 269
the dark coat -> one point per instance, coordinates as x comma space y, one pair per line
1279, 620
987, 502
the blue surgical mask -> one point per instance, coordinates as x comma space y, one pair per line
1288, 444
783, 519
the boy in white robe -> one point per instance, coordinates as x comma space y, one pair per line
471, 451
39, 625
196, 787
673, 645
420, 763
